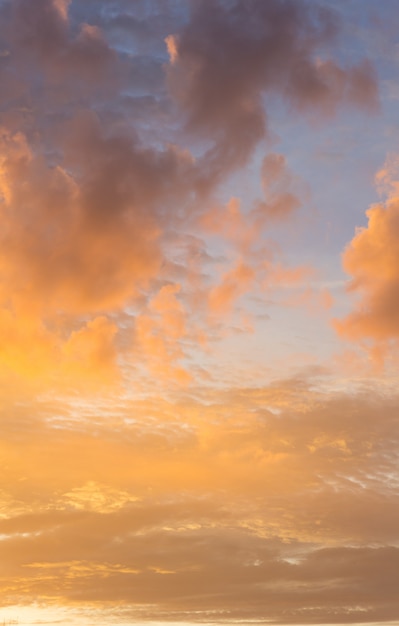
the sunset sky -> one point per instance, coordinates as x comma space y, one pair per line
199, 312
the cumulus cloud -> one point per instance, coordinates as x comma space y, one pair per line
84, 236
371, 259
105, 190
230, 55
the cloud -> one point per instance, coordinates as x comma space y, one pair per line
230, 55
278, 184
92, 348
169, 495
252, 261
43, 34
81, 238
371, 259
158, 334
234, 284
273, 503
90, 129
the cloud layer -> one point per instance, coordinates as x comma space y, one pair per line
285, 509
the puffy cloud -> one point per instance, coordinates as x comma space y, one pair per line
230, 55
372, 260
104, 191
82, 237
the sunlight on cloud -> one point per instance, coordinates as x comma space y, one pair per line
198, 414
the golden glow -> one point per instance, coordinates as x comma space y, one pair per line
185, 437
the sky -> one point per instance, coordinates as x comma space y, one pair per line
199, 312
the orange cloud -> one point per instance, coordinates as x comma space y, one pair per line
60, 251
234, 284
372, 259
82, 239
242, 499
253, 259
160, 498
159, 332
92, 348
233, 225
